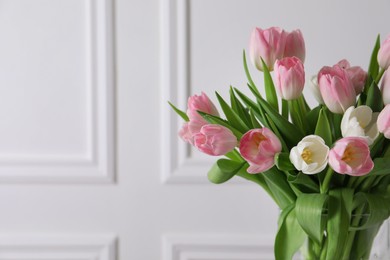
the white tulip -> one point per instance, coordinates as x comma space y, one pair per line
360, 122
310, 155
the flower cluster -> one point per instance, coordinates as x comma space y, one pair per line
293, 150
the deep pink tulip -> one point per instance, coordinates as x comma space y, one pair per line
336, 89
384, 54
215, 140
268, 44
295, 45
289, 77
258, 147
199, 103
385, 87
383, 121
351, 155
357, 75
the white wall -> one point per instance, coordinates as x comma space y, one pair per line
90, 163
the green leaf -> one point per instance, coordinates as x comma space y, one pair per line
295, 114
323, 128
283, 163
240, 110
374, 98
381, 167
309, 209
304, 183
291, 134
219, 121
373, 68
279, 186
231, 116
251, 104
377, 209
285, 108
377, 146
290, 236
339, 216
254, 121
270, 92
312, 118
182, 114
223, 170
248, 75
273, 127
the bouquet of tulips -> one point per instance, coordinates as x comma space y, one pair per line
327, 167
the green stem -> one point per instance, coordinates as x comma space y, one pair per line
328, 177
351, 234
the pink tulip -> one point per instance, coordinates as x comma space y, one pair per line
383, 122
351, 155
385, 87
336, 89
258, 147
268, 45
384, 54
185, 134
357, 75
295, 45
215, 140
289, 77
199, 103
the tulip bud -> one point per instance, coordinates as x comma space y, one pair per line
199, 103
384, 121
357, 75
295, 45
336, 89
385, 87
315, 89
384, 54
268, 44
258, 147
289, 77
185, 133
215, 140
351, 155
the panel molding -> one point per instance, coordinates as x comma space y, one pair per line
177, 166
58, 247
97, 166
217, 247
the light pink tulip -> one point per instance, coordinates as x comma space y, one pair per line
384, 54
185, 134
199, 103
215, 140
351, 155
258, 147
268, 44
336, 89
295, 45
384, 121
385, 87
357, 75
289, 77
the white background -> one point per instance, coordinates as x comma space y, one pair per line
90, 164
